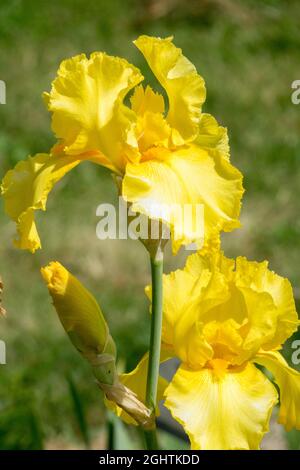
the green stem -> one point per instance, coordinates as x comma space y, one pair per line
111, 432
155, 342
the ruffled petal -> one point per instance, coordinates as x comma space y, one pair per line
244, 301
190, 343
261, 321
257, 276
218, 271
213, 260
211, 136
225, 338
188, 295
226, 412
184, 87
182, 186
152, 130
145, 100
151, 127
288, 381
88, 114
25, 189
180, 290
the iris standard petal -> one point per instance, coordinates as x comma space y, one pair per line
88, 114
151, 127
145, 100
184, 86
212, 136
260, 279
180, 290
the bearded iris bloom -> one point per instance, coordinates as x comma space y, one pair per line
168, 157
222, 318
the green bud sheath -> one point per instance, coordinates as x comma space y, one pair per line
87, 329
79, 314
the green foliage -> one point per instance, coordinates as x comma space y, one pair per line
79, 411
248, 53
293, 439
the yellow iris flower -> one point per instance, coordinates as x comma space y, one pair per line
221, 317
168, 157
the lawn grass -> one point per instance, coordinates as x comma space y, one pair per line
248, 53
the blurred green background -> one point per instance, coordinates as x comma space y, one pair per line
248, 53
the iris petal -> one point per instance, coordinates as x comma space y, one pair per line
25, 189
88, 114
184, 86
222, 413
191, 177
288, 381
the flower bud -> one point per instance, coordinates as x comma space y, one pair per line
82, 319
87, 329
